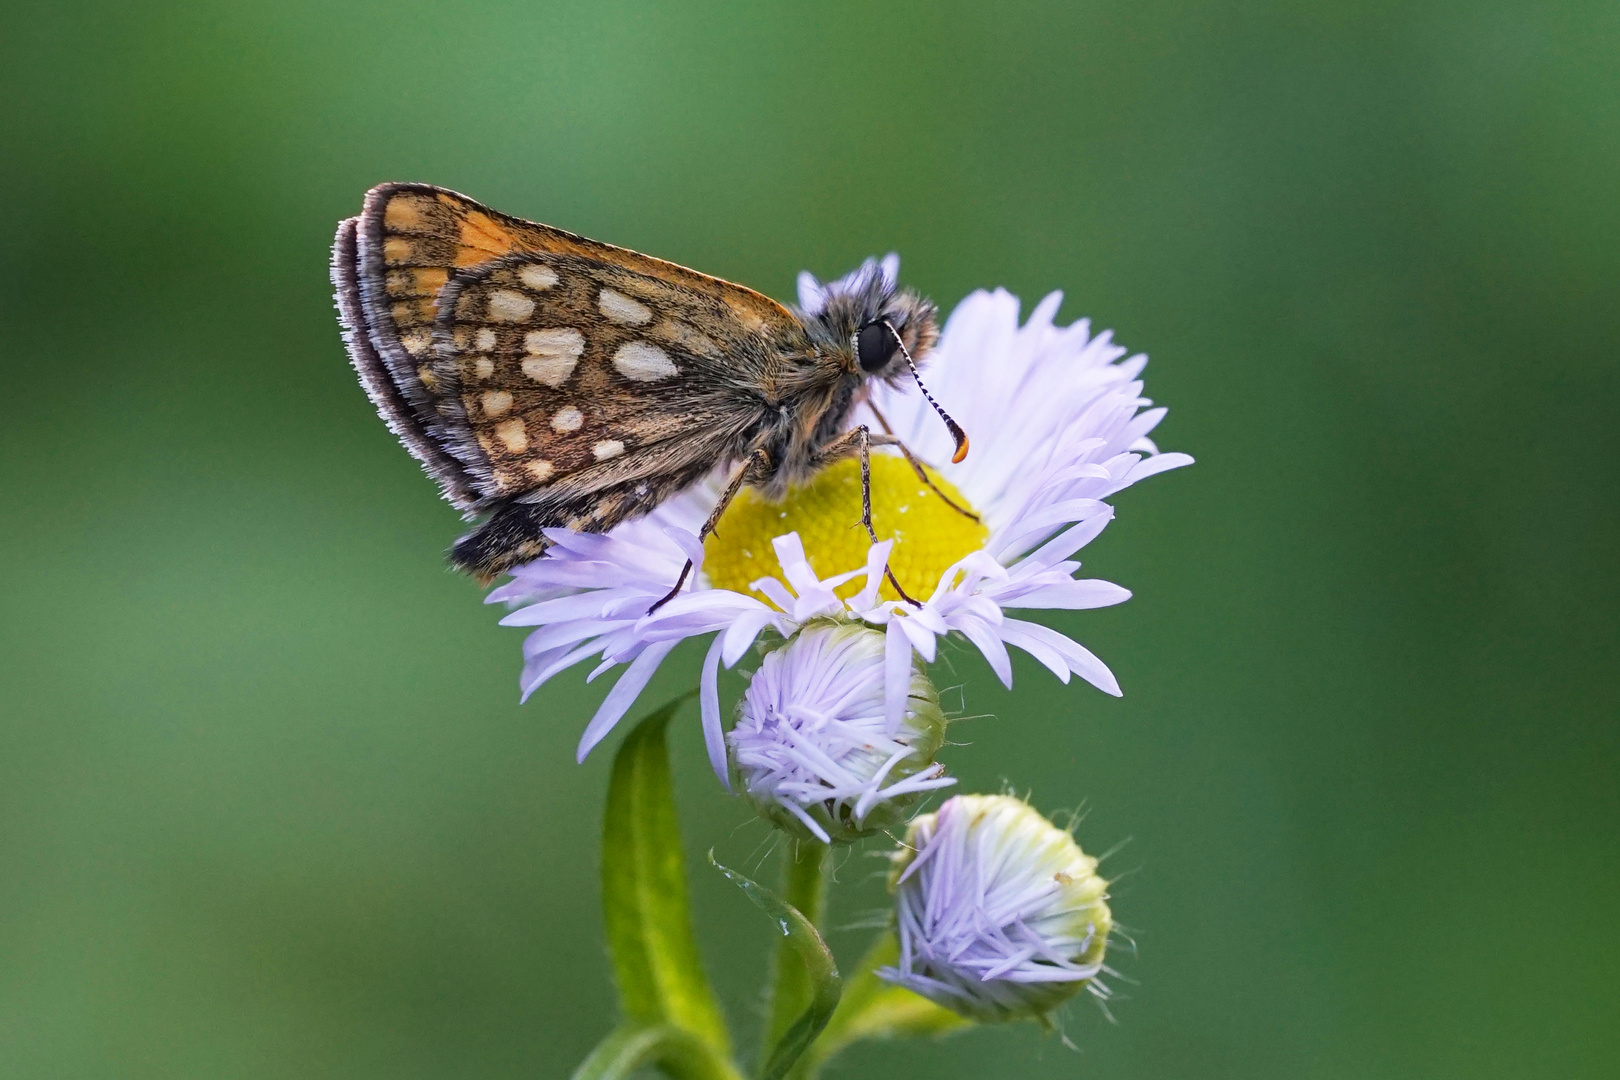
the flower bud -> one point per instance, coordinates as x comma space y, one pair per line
814, 747
1000, 915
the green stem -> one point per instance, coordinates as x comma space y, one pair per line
804, 886
873, 1009
678, 1053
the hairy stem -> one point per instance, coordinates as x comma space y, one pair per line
804, 886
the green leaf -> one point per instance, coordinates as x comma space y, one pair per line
874, 1009
826, 986
678, 1052
644, 900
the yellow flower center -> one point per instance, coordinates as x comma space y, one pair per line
826, 513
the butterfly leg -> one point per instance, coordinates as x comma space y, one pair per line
755, 465
861, 440
917, 466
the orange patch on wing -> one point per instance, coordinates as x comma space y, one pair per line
407, 312
481, 239
430, 279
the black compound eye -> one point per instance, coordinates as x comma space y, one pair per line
875, 346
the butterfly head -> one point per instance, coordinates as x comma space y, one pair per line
874, 329
867, 322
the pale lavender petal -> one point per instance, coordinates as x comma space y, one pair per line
534, 678
1081, 660
877, 557
714, 737
1074, 595
812, 297
920, 636
622, 696
741, 634
1050, 658
896, 674
776, 592
890, 268
989, 643
1071, 540
1155, 465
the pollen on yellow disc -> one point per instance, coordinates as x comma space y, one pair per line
826, 513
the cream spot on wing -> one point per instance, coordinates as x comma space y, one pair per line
540, 471
607, 448
508, 305
416, 342
551, 370
556, 341
644, 362
396, 250
621, 309
538, 278
512, 435
429, 380
567, 419
485, 341
483, 367
687, 337
495, 402
553, 354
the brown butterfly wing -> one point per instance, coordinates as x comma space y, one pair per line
562, 375
550, 379
413, 245
412, 419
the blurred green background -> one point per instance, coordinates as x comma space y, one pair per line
268, 804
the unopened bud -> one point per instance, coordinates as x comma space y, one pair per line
1000, 915
813, 747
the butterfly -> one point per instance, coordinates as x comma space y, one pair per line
545, 380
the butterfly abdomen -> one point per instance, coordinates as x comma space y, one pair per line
511, 535
514, 532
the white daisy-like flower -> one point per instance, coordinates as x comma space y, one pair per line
813, 748
1059, 425
999, 913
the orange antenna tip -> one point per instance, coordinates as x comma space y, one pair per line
956, 429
